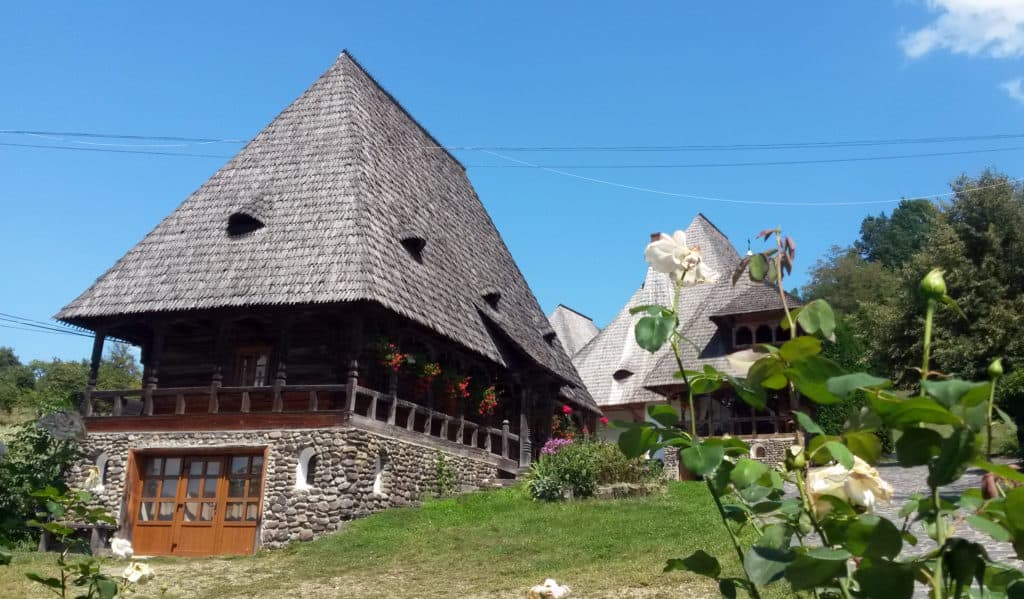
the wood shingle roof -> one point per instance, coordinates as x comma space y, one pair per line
338, 179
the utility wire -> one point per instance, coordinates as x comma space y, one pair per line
42, 330
38, 324
564, 148
733, 201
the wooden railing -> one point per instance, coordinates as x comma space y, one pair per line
368, 404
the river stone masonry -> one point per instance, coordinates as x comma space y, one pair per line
343, 484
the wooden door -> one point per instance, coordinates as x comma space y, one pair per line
196, 505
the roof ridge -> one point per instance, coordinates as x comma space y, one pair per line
346, 53
574, 311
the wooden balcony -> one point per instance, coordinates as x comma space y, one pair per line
296, 406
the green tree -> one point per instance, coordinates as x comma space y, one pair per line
892, 240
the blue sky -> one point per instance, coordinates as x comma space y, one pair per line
506, 74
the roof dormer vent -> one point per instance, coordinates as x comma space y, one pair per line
241, 223
414, 245
622, 374
492, 297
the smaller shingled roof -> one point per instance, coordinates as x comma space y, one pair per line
574, 330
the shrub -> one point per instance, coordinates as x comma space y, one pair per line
579, 466
444, 476
612, 466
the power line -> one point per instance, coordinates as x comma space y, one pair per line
733, 201
565, 148
753, 163
42, 330
38, 324
112, 150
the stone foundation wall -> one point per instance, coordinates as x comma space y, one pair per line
774, 448
343, 485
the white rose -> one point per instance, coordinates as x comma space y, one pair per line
136, 572
122, 548
672, 256
860, 486
549, 590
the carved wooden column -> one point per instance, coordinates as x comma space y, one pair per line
281, 378
217, 377
155, 353
352, 375
525, 446
94, 371
393, 393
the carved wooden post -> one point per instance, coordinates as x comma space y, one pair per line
373, 405
156, 350
281, 378
474, 436
504, 438
351, 384
525, 447
443, 433
94, 372
393, 392
487, 438
217, 378
410, 420
314, 401
118, 405
246, 403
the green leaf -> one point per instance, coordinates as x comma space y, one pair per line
767, 372
873, 536
747, 472
844, 386
955, 454
951, 304
800, 348
776, 535
638, 440
1014, 506
964, 561
758, 267
1000, 470
766, 564
807, 424
698, 562
917, 446
652, 309
817, 317
992, 529
703, 385
911, 412
808, 571
1007, 420
663, 414
840, 453
727, 587
810, 377
702, 459
53, 583
865, 445
653, 331
949, 392
107, 587
754, 397
885, 579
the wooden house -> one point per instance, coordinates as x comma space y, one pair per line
719, 318
327, 319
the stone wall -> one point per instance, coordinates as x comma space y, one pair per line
343, 485
774, 448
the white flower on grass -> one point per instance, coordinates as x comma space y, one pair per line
860, 486
549, 590
92, 481
671, 255
136, 573
122, 548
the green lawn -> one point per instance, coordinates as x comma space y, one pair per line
487, 544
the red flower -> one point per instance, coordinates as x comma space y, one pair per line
604, 420
566, 410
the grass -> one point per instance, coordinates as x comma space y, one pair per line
487, 544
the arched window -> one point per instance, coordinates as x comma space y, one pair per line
102, 461
744, 336
305, 469
763, 334
378, 474
758, 452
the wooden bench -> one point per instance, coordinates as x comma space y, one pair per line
99, 535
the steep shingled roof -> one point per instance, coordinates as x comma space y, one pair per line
617, 371
574, 330
338, 179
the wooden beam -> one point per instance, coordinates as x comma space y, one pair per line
222, 421
94, 372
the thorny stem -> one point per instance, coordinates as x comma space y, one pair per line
844, 582
988, 421
940, 538
778, 278
929, 315
693, 431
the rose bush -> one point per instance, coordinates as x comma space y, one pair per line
824, 538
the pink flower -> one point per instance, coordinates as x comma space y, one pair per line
566, 410
604, 420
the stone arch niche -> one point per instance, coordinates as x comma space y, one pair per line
305, 468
